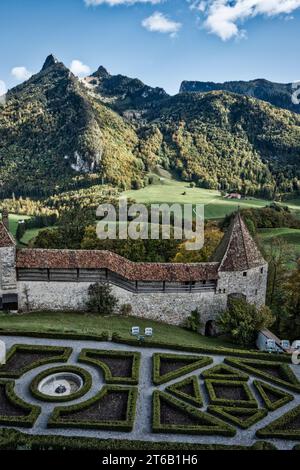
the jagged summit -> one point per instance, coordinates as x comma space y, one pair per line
101, 73
237, 250
49, 62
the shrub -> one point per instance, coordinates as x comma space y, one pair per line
101, 359
282, 397
242, 417
242, 321
31, 412
248, 402
62, 416
285, 427
186, 364
86, 377
188, 390
126, 310
260, 368
194, 322
101, 300
59, 354
207, 425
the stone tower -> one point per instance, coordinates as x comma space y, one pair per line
8, 279
243, 271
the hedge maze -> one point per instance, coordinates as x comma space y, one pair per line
178, 393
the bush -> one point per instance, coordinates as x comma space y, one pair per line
250, 401
283, 397
101, 300
242, 417
208, 425
60, 354
94, 356
242, 321
192, 363
194, 322
31, 412
86, 377
287, 379
283, 428
62, 416
126, 310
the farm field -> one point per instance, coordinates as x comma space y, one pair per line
216, 206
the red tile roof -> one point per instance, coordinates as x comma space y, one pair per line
237, 250
6, 238
89, 259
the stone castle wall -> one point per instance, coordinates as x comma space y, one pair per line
171, 308
8, 279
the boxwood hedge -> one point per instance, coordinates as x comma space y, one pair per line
62, 416
59, 354
86, 377
288, 379
250, 401
208, 425
93, 356
29, 415
242, 417
224, 372
263, 389
179, 390
192, 363
285, 427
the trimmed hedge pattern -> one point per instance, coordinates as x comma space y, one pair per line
208, 425
237, 415
192, 363
250, 402
152, 343
282, 428
11, 439
60, 354
31, 412
289, 379
104, 336
86, 377
93, 356
283, 397
195, 398
62, 416
224, 372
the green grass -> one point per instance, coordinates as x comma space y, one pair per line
289, 235
216, 207
84, 324
13, 222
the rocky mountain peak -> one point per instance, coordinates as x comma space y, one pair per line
49, 62
101, 73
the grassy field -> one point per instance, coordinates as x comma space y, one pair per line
290, 236
84, 324
216, 207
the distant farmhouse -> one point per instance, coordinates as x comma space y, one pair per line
38, 279
233, 196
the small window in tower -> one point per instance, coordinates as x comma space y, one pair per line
224, 291
256, 291
261, 270
245, 273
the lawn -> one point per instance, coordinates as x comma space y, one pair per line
216, 206
289, 235
85, 324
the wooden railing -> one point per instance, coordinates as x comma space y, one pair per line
100, 275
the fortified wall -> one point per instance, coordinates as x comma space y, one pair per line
35, 279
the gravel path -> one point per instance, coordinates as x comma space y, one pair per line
142, 428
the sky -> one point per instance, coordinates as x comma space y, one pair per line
162, 42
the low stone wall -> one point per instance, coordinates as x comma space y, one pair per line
171, 308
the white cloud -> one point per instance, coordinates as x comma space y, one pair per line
3, 89
79, 69
159, 23
21, 73
113, 3
224, 17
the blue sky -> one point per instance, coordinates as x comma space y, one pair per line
161, 42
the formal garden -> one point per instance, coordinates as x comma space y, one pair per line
133, 394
